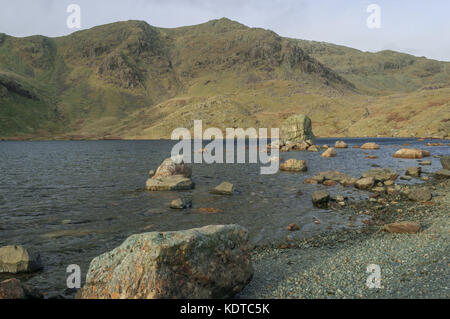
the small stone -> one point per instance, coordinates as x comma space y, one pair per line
331, 152
313, 148
225, 188
329, 183
321, 199
389, 183
370, 146
402, 228
341, 144
406, 178
413, 171
425, 163
293, 227
181, 203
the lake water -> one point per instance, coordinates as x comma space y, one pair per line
74, 200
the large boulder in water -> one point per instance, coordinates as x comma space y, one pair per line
208, 262
17, 259
411, 153
297, 129
172, 175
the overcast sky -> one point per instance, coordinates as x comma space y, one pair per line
419, 27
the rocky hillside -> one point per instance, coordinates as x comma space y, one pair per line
131, 80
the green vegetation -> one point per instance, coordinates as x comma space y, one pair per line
131, 80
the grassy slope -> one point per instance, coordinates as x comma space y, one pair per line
131, 80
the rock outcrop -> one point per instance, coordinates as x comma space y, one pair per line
297, 129
208, 262
17, 259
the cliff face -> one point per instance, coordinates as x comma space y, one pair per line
132, 80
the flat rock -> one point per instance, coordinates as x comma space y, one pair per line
169, 183
443, 173
381, 174
365, 183
17, 259
402, 228
203, 263
225, 188
422, 194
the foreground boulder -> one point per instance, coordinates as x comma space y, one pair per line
331, 152
297, 129
208, 262
17, 259
402, 228
11, 289
293, 165
225, 188
321, 199
370, 146
171, 176
445, 161
381, 174
411, 153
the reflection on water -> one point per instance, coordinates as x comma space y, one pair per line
72, 201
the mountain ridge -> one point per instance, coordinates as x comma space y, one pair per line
133, 80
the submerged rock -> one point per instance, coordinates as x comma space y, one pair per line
293, 165
402, 228
381, 174
17, 259
321, 199
411, 153
11, 289
208, 262
225, 188
297, 129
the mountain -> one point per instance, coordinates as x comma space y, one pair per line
134, 81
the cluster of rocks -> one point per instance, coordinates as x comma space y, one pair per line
16, 260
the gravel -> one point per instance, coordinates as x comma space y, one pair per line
334, 265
